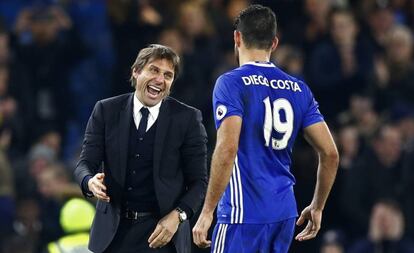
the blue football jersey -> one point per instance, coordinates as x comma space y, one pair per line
273, 106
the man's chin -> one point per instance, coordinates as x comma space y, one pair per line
151, 101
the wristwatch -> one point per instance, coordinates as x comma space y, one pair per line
182, 216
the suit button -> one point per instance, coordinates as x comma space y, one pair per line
133, 172
140, 138
129, 188
136, 155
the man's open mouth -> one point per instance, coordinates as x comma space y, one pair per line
153, 90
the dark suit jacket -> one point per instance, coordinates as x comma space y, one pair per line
180, 155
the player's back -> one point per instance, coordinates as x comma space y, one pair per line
274, 107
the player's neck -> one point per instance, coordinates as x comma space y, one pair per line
254, 55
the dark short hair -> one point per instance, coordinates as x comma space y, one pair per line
155, 52
258, 26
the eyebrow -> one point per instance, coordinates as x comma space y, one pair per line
165, 71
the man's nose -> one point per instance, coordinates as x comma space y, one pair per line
160, 78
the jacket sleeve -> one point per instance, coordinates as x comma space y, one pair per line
93, 147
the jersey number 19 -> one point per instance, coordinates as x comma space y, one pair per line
273, 120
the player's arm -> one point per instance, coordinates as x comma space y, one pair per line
319, 136
221, 169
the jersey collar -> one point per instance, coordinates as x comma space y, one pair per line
260, 64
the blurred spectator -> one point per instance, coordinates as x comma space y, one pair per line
362, 115
200, 44
223, 14
340, 66
94, 72
376, 175
76, 218
386, 231
348, 142
310, 28
380, 21
333, 242
403, 117
400, 9
134, 25
42, 154
290, 59
26, 225
14, 112
48, 47
394, 74
408, 183
17, 244
54, 188
349, 146
7, 200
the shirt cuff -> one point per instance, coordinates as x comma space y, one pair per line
85, 187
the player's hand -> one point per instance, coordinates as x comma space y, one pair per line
200, 230
97, 187
165, 230
314, 217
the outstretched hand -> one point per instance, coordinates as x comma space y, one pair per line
97, 187
314, 218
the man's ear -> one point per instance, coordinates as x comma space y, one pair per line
275, 43
135, 72
237, 38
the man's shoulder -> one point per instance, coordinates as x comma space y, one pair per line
178, 106
117, 100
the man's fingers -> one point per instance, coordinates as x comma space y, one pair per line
158, 241
300, 221
309, 235
304, 232
99, 185
154, 234
200, 238
204, 244
100, 176
309, 232
101, 195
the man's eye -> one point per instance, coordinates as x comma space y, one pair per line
154, 70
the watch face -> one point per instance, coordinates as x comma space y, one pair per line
183, 216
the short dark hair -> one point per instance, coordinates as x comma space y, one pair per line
258, 26
155, 52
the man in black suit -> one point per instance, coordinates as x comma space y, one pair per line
153, 150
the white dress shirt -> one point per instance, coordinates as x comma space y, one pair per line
153, 113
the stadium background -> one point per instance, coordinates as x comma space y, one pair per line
57, 58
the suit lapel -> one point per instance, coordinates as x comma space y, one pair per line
162, 127
124, 125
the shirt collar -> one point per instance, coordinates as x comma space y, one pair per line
260, 63
153, 110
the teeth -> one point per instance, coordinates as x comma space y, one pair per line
154, 88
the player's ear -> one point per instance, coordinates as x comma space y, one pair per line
275, 42
237, 38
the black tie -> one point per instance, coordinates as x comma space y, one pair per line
142, 128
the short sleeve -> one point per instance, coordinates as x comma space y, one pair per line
312, 114
227, 99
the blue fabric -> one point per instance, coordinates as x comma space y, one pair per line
253, 238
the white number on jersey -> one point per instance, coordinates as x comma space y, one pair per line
285, 128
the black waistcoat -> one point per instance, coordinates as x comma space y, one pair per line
139, 184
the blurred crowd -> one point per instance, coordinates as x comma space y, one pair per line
58, 57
